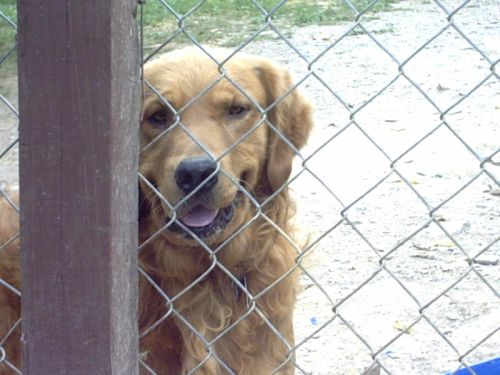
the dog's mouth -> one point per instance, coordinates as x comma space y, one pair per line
204, 221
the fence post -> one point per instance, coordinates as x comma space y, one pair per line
79, 115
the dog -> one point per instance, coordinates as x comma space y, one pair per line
217, 255
10, 301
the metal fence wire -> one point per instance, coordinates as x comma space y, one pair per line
397, 189
9, 328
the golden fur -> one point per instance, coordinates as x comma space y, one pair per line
203, 278
10, 303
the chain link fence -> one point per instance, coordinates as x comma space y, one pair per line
11, 295
397, 189
9, 240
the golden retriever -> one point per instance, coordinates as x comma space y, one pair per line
10, 276
217, 261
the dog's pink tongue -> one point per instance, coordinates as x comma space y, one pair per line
200, 216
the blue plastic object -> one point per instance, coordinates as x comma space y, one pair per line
491, 367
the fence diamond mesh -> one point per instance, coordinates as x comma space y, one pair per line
393, 183
397, 189
10, 328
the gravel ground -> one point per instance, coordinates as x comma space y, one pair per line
426, 262
387, 222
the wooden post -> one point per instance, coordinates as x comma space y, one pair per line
79, 116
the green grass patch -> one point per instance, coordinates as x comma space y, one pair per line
217, 22
8, 8
231, 22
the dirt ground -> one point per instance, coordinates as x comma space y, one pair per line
406, 313
397, 200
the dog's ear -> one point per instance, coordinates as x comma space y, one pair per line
290, 114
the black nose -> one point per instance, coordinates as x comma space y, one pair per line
196, 171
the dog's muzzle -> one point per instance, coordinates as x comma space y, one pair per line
199, 173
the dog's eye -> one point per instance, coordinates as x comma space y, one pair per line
237, 110
160, 118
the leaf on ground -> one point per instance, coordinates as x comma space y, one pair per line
400, 326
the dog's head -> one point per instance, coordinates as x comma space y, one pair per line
205, 137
